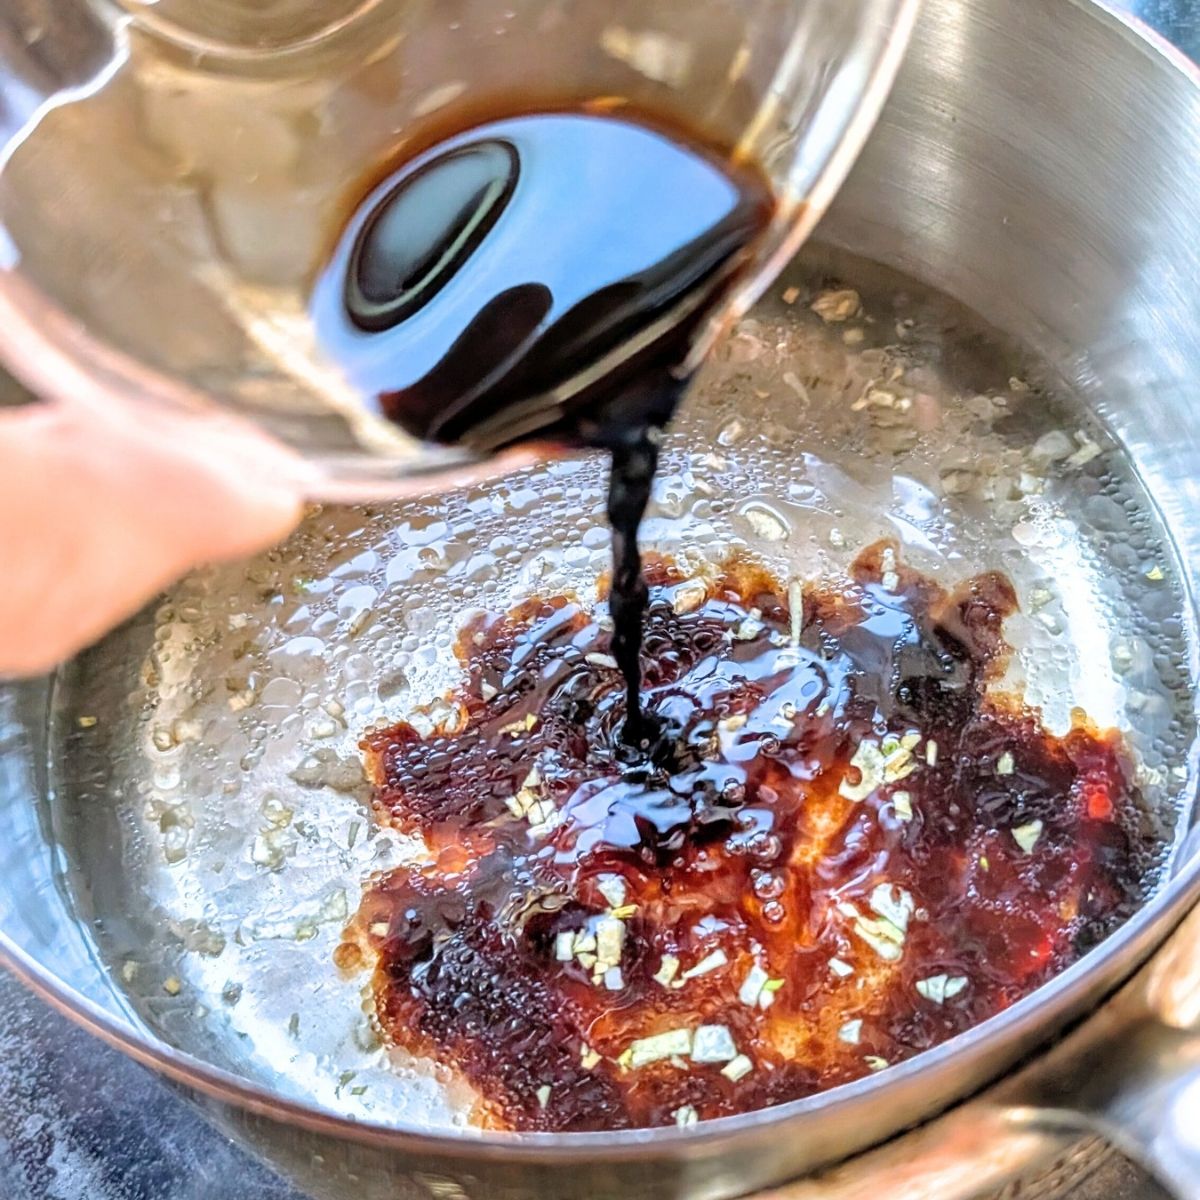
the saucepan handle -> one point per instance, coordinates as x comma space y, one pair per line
1132, 1072
1130, 1075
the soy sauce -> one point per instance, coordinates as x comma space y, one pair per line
542, 276
844, 847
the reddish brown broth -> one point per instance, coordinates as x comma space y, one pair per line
737, 845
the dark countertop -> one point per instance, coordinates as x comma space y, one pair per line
1178, 20
79, 1121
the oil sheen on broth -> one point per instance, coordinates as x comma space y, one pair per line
541, 276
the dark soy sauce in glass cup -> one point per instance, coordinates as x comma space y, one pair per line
541, 276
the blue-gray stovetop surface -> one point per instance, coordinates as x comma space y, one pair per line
80, 1122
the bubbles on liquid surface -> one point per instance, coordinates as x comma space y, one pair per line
282, 663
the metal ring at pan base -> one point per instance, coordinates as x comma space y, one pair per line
1038, 162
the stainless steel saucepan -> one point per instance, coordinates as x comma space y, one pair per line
185, 827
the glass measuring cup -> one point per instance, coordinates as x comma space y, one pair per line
174, 172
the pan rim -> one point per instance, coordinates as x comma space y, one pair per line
1048, 1008
1036, 1015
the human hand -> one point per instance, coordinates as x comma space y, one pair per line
101, 507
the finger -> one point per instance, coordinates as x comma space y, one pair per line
97, 516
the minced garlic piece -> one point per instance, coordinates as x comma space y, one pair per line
1040, 597
1088, 450
710, 962
588, 1058
737, 1068
749, 627
766, 994
837, 306
940, 988
889, 578
542, 817
564, 946
686, 1116
851, 1032
892, 903
841, 969
885, 936
869, 761
752, 986
667, 970
898, 762
543, 1095
713, 1044
612, 888
882, 936
610, 939
1026, 836
875, 1062
765, 524
902, 805
527, 802
659, 1046
1005, 764
688, 597
931, 752
796, 609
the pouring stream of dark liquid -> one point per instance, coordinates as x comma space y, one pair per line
629, 488
777, 776
542, 276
